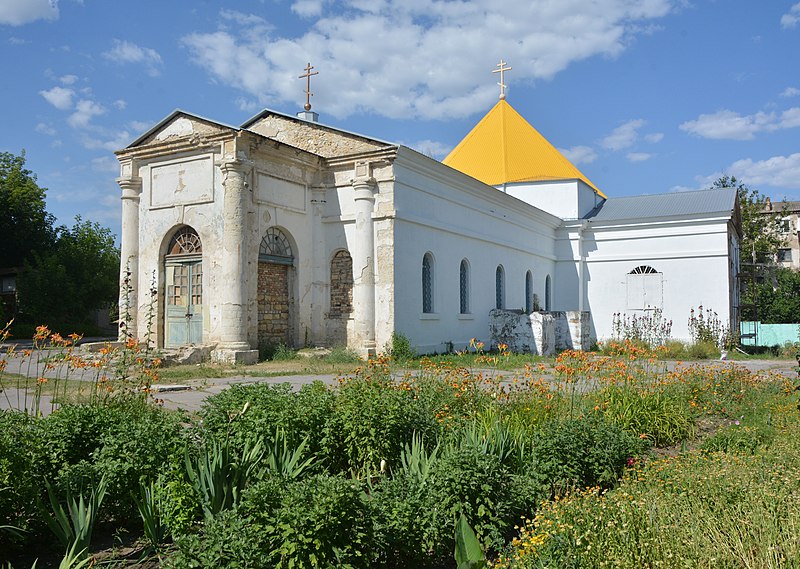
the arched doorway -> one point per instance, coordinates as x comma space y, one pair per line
275, 263
183, 267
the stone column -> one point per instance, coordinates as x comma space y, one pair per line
234, 347
129, 255
363, 253
319, 263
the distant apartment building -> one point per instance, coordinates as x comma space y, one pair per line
789, 253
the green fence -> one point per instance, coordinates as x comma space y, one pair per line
769, 334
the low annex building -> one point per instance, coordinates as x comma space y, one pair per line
285, 230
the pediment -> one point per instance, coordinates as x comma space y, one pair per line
181, 127
312, 137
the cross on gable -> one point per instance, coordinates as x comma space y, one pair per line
501, 69
308, 92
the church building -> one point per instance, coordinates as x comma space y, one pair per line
286, 230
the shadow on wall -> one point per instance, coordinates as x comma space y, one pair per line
540, 333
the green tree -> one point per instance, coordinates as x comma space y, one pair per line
779, 297
63, 287
25, 225
760, 231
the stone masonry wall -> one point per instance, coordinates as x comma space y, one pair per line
273, 304
341, 285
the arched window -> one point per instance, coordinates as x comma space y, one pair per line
643, 270
547, 294
185, 242
463, 287
529, 292
275, 248
427, 283
499, 287
341, 284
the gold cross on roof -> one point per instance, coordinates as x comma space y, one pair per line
501, 69
307, 77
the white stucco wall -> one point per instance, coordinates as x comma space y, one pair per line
455, 217
691, 256
567, 199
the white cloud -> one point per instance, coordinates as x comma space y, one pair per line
778, 171
307, 8
18, 12
726, 124
790, 19
45, 128
579, 154
790, 92
108, 139
128, 52
59, 97
120, 104
68, 79
247, 105
431, 148
141, 126
105, 164
638, 156
85, 110
623, 136
654, 137
17, 41
375, 56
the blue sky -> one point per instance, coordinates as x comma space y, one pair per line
645, 96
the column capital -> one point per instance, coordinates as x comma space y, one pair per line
131, 186
234, 165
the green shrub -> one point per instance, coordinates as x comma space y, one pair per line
407, 524
20, 455
372, 420
228, 540
269, 408
399, 348
180, 504
582, 452
126, 441
323, 522
478, 485
661, 415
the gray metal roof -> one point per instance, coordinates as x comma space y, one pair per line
666, 205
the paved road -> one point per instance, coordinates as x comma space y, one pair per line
191, 396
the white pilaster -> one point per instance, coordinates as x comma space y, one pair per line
234, 346
131, 186
363, 253
320, 262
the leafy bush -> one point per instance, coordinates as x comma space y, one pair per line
582, 452
322, 521
228, 540
399, 348
20, 453
372, 419
269, 408
476, 484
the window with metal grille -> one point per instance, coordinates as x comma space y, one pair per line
185, 242
276, 248
547, 294
499, 287
645, 289
529, 292
427, 283
463, 288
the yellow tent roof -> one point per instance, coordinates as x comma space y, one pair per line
503, 147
